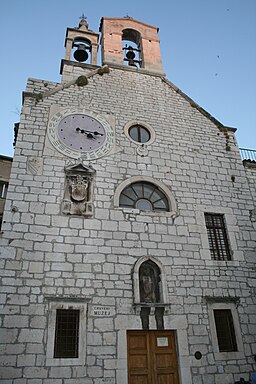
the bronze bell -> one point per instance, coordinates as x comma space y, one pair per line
130, 54
80, 54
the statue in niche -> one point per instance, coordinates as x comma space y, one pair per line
78, 190
149, 277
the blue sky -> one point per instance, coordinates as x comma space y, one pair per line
208, 49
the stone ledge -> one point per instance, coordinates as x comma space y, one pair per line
133, 69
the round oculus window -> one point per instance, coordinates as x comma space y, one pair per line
139, 134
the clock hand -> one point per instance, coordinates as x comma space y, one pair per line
90, 136
89, 132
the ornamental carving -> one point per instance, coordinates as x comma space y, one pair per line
78, 192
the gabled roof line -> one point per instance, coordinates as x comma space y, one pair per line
80, 81
195, 105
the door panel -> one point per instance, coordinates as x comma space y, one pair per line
138, 362
152, 357
136, 379
167, 379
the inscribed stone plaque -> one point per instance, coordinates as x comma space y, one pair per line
101, 311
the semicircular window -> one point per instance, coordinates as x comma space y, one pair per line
144, 196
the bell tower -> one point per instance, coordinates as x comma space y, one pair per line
126, 41
81, 47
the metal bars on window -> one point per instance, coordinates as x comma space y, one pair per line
225, 330
217, 236
66, 333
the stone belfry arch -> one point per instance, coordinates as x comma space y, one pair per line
115, 30
81, 38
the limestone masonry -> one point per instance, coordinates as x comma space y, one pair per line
128, 237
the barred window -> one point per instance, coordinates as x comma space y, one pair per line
217, 236
225, 330
66, 333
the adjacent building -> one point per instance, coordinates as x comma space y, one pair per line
128, 237
5, 170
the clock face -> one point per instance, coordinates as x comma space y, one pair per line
81, 132
77, 133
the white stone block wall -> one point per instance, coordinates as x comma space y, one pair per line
47, 256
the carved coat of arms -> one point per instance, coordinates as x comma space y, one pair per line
79, 188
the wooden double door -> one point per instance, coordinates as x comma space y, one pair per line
152, 357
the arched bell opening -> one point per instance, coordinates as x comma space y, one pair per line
131, 45
81, 50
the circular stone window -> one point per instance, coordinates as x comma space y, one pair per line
139, 133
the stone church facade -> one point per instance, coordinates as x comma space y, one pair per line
128, 237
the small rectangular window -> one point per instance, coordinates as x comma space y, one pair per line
225, 330
66, 333
3, 189
217, 236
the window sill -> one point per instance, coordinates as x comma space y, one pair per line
229, 355
60, 362
227, 263
134, 211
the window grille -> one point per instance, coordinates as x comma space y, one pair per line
66, 333
225, 330
144, 196
217, 236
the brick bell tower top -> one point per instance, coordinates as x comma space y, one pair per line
126, 41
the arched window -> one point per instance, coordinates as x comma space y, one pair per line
144, 196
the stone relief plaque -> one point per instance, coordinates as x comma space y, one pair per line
35, 165
78, 193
